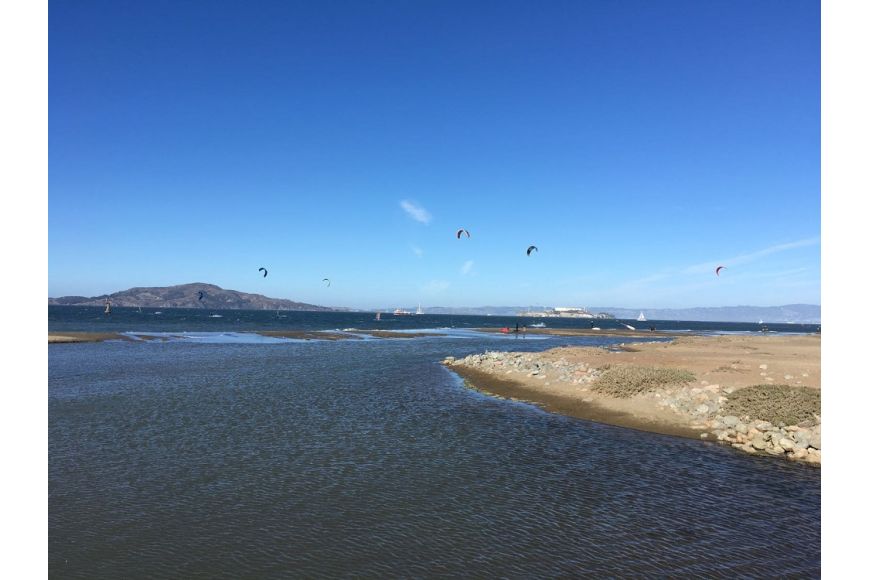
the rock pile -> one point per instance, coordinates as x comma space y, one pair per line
701, 404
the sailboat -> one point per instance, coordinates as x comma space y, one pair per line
378, 316
140, 310
641, 318
419, 309
108, 309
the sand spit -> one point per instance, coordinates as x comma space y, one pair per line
75, 337
759, 394
307, 334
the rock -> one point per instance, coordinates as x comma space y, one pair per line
763, 426
759, 443
730, 420
704, 435
816, 441
786, 443
449, 360
799, 454
775, 450
763, 367
702, 409
741, 428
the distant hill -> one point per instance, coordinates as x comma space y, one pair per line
798, 313
187, 296
482, 310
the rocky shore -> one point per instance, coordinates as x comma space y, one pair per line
669, 397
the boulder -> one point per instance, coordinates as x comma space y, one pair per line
799, 454
730, 420
786, 443
816, 441
759, 443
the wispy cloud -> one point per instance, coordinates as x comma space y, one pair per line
683, 280
416, 211
467, 266
418, 251
753, 256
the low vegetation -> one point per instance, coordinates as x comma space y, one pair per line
627, 381
775, 403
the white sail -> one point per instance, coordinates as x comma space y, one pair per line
641, 318
419, 309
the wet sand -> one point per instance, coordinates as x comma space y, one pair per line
621, 415
75, 337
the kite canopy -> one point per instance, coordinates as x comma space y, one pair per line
264, 271
201, 294
529, 251
328, 282
719, 268
460, 232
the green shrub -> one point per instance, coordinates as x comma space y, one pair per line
775, 403
628, 381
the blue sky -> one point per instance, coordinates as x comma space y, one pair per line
637, 144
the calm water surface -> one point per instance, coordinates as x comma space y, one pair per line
228, 459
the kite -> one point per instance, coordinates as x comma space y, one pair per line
529, 251
719, 268
265, 271
460, 232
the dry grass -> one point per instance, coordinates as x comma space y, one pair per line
627, 381
775, 403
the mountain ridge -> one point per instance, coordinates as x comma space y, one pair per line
187, 296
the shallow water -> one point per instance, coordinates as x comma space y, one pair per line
92, 319
368, 458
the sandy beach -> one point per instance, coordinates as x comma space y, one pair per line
756, 393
